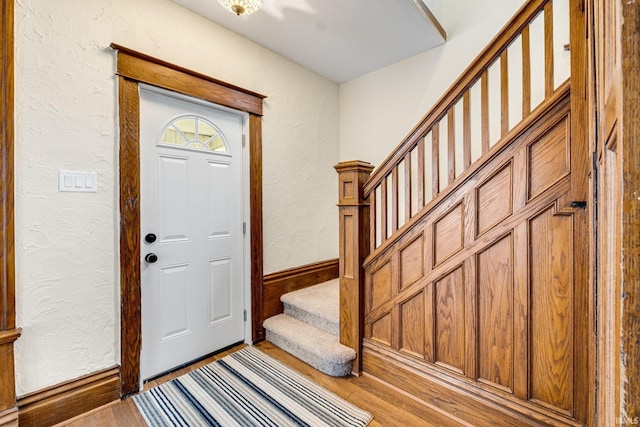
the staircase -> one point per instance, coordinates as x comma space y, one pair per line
309, 329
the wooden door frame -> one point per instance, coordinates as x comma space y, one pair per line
8, 331
135, 68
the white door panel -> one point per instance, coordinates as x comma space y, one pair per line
191, 199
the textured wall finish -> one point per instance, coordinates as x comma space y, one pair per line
379, 109
66, 118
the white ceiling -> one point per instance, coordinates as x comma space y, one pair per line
338, 39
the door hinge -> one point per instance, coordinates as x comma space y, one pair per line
245, 315
244, 140
244, 228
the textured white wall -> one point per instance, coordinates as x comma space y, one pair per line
66, 118
379, 109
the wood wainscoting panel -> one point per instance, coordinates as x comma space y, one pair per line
503, 293
412, 318
552, 317
548, 158
448, 232
449, 321
381, 290
412, 262
64, 401
381, 330
495, 313
494, 199
293, 279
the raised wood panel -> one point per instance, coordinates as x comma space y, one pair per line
412, 318
448, 234
551, 306
449, 320
412, 262
548, 158
380, 286
381, 330
495, 314
348, 235
494, 199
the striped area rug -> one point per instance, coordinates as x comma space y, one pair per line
246, 388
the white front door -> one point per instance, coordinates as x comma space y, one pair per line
192, 229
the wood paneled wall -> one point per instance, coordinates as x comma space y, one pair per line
488, 289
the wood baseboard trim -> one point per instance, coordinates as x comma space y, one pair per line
277, 284
64, 401
460, 402
9, 418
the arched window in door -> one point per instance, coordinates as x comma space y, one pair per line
196, 133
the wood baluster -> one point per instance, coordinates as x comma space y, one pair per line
548, 50
484, 110
451, 145
504, 94
435, 160
394, 200
407, 187
466, 118
421, 174
383, 211
373, 217
526, 72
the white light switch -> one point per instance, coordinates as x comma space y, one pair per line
78, 182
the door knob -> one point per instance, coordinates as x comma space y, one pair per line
150, 238
151, 258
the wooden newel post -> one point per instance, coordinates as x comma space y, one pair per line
354, 248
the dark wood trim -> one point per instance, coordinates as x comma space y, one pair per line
630, 132
64, 401
135, 68
130, 293
9, 418
584, 338
147, 69
255, 205
8, 331
278, 284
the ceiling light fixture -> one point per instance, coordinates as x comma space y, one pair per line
241, 7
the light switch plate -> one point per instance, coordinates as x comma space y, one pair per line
78, 181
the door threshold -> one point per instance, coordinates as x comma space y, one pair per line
193, 362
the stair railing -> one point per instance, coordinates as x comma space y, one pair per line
466, 127
468, 123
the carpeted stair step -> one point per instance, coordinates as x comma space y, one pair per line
312, 345
317, 305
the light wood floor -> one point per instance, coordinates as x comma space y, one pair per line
389, 407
